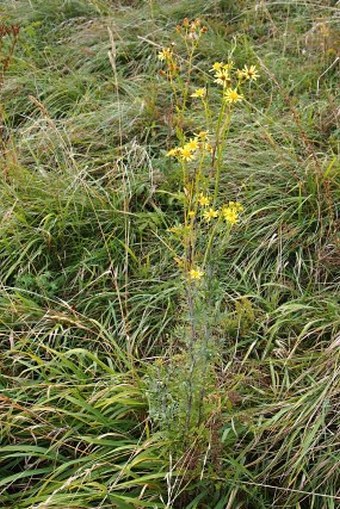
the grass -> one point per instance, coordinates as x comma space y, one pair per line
106, 401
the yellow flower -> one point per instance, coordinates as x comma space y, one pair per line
192, 144
200, 93
203, 200
231, 95
191, 214
222, 77
165, 54
228, 66
173, 152
236, 205
186, 154
240, 74
230, 215
217, 66
250, 73
202, 135
231, 212
196, 273
210, 214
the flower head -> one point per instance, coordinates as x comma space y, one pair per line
165, 54
203, 200
199, 93
210, 214
217, 66
230, 215
240, 74
186, 153
229, 65
222, 77
196, 274
250, 73
192, 144
221, 66
231, 212
202, 135
173, 152
231, 96
236, 205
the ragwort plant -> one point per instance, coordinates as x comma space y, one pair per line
75, 429
185, 397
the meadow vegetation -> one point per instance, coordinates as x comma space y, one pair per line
169, 254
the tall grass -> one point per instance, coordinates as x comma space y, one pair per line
94, 318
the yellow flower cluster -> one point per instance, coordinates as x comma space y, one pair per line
223, 74
231, 212
189, 150
166, 56
221, 66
